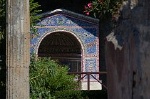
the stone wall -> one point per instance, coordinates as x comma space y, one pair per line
127, 53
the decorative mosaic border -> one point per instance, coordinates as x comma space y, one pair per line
86, 32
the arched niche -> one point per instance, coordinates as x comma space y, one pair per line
79, 32
62, 47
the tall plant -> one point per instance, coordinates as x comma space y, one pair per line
47, 78
34, 10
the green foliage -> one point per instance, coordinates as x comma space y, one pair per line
34, 11
48, 77
33, 15
2, 8
2, 19
103, 9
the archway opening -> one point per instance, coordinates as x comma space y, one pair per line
63, 47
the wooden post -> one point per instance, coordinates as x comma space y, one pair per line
17, 46
88, 81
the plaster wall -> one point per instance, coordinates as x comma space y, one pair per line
127, 53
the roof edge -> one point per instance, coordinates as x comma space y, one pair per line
64, 11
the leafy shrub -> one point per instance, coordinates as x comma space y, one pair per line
104, 9
48, 77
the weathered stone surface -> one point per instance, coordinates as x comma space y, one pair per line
128, 68
18, 45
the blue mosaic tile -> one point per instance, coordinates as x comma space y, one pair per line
85, 31
91, 50
58, 20
90, 66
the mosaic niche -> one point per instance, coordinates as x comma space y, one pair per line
83, 28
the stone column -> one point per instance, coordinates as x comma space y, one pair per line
17, 46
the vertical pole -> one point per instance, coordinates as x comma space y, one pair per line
17, 49
88, 82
